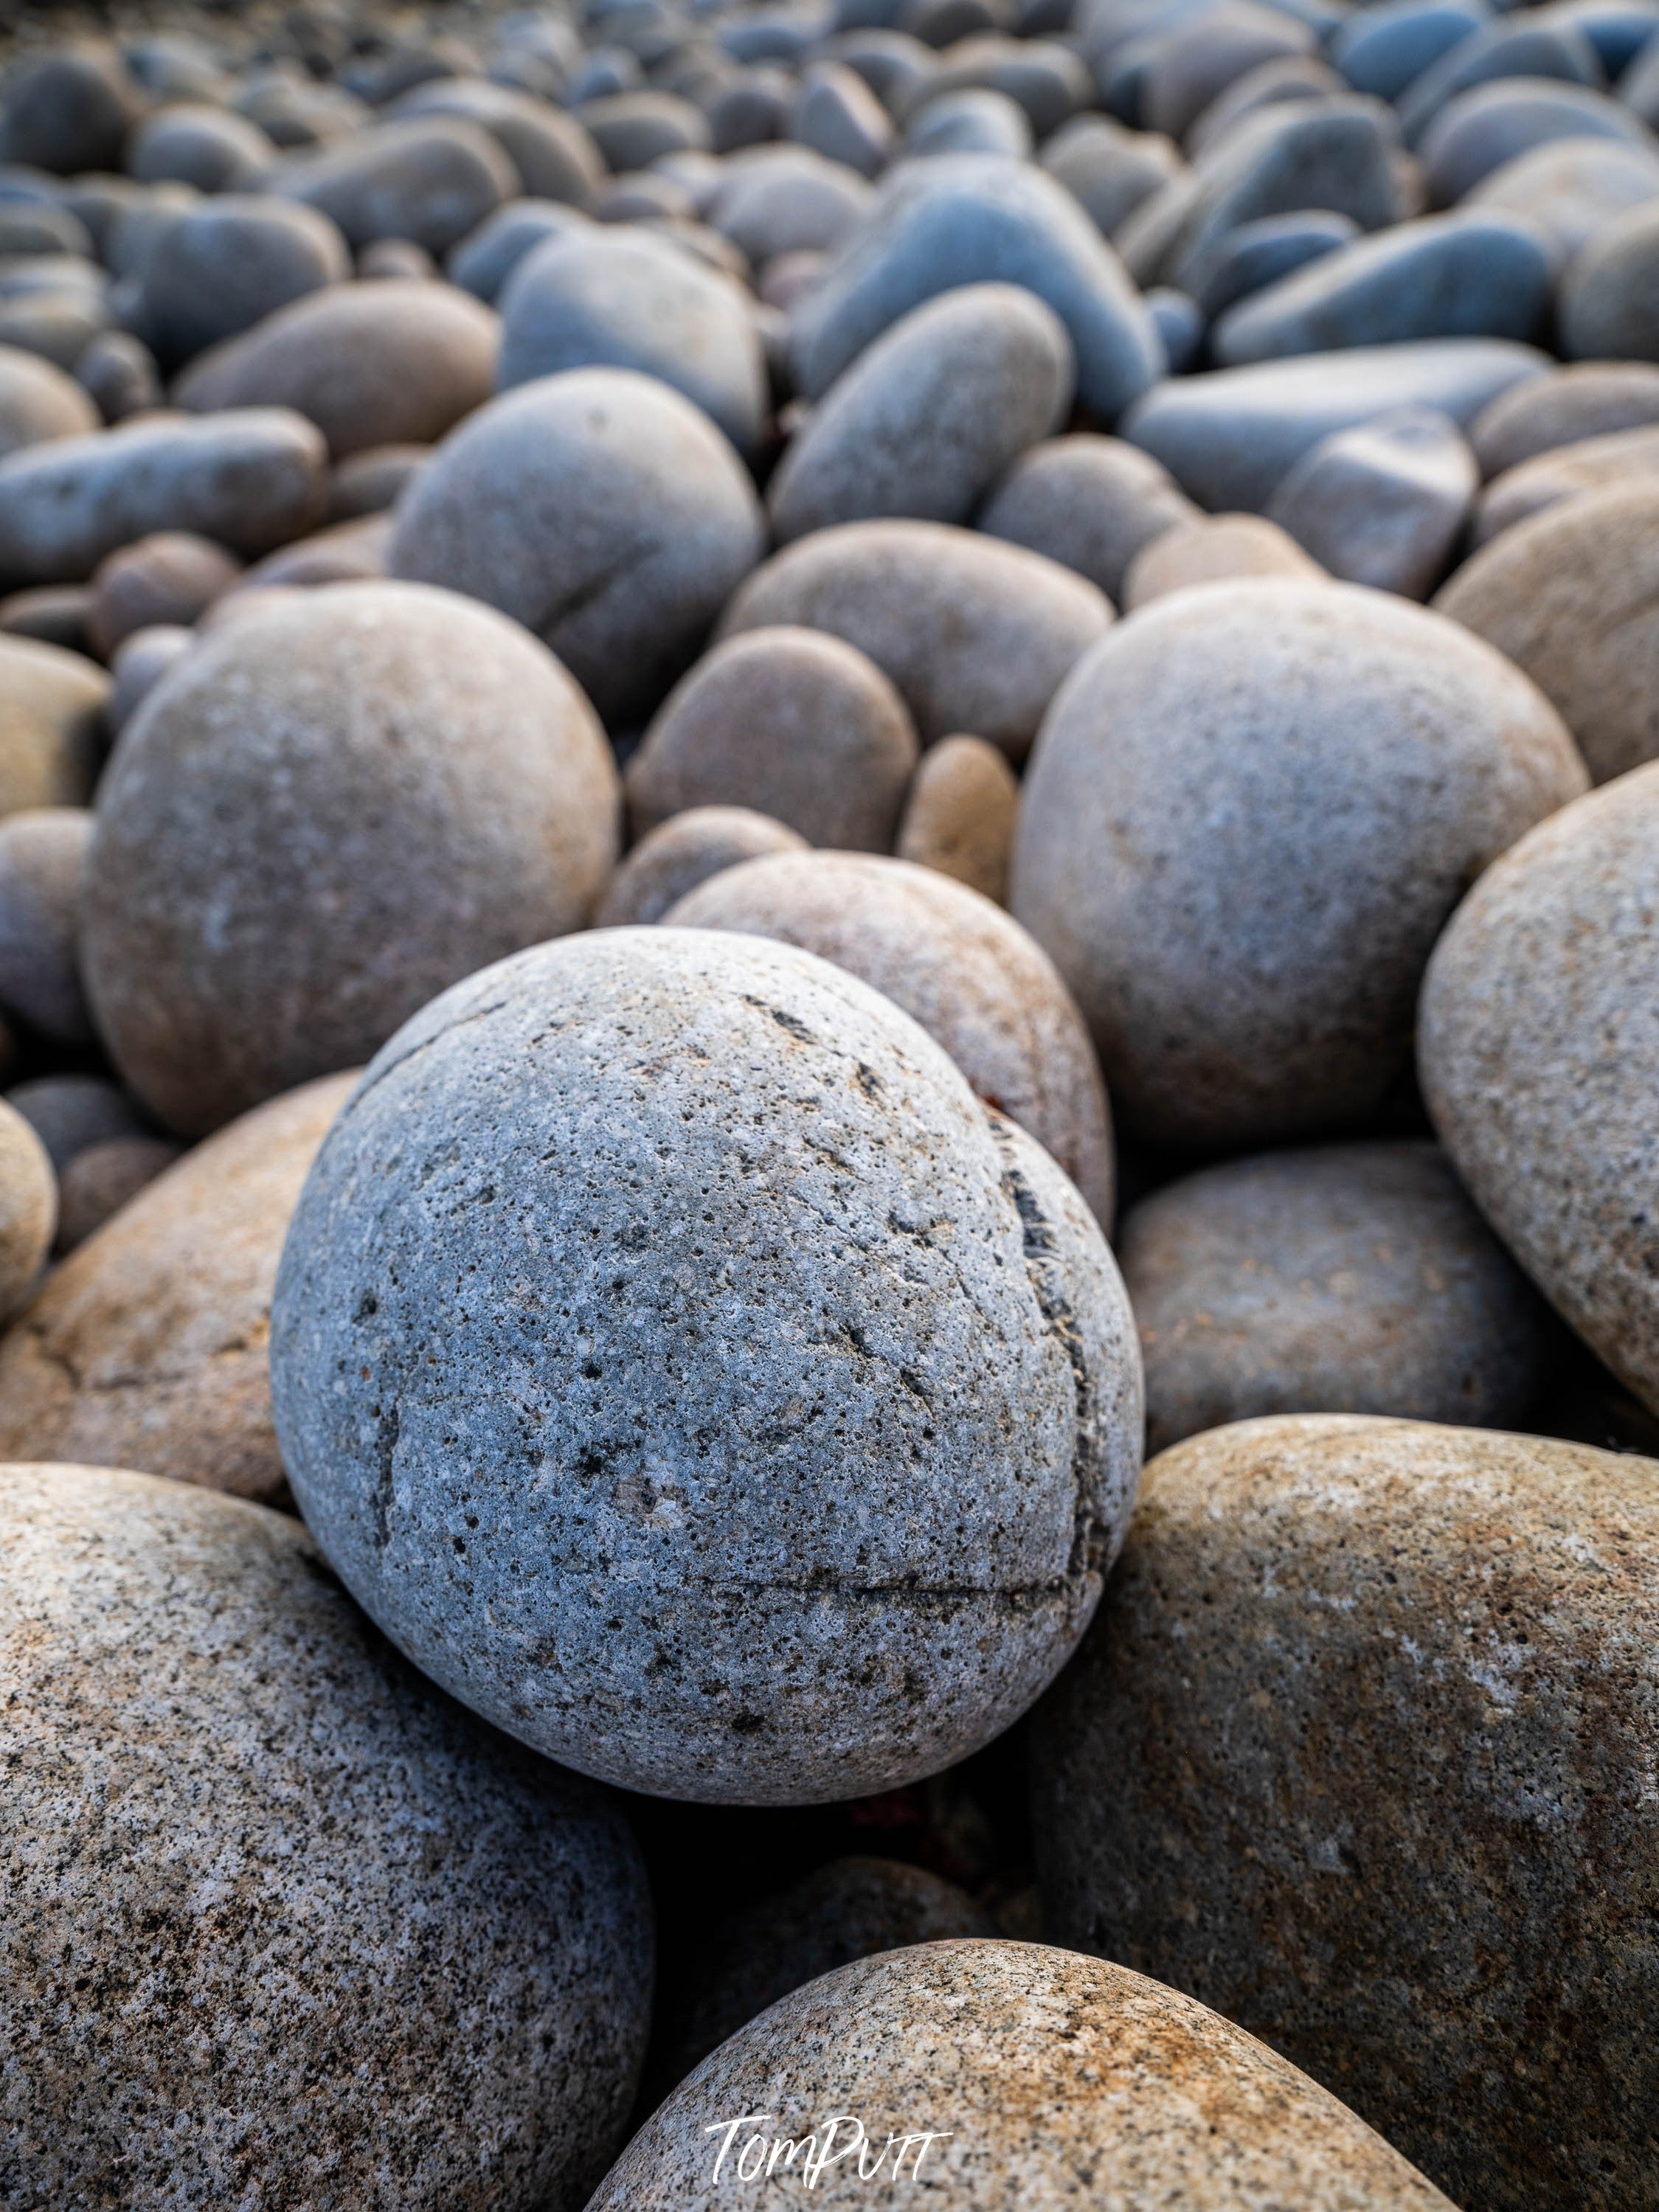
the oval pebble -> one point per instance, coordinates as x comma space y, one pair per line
42, 852
959, 815
215, 272
39, 402
51, 734
683, 851
28, 1209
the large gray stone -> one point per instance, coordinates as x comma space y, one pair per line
1009, 2074
1384, 504
600, 509
251, 477
1110, 170
385, 362
615, 296
1347, 1278
1224, 848
1379, 1695
430, 180
977, 635
70, 111
329, 810
554, 157
970, 219
928, 417
953, 962
1229, 437
871, 1470
787, 199
192, 143
1538, 1040
264, 1877
1475, 275
215, 272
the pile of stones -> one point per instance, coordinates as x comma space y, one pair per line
775, 780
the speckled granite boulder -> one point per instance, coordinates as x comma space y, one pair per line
52, 737
850, 1909
263, 1876
871, 1471
793, 722
1356, 1754
147, 1348
956, 964
976, 635
1351, 1279
1569, 595
1224, 848
683, 851
601, 510
1538, 1044
328, 810
28, 1208
1015, 2075
959, 815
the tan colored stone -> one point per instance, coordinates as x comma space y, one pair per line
1617, 462
28, 1209
147, 1347
1215, 548
683, 851
960, 814
1360, 1751
50, 725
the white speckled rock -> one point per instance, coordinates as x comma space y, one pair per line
28, 1208
956, 964
1224, 848
285, 1923
929, 416
1539, 1043
1347, 1278
147, 1347
683, 851
793, 722
601, 510
1023, 2080
977, 635
328, 810
883, 1397
1382, 1696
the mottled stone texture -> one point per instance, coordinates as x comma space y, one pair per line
1053, 2081
285, 1930
1362, 1751
691, 1375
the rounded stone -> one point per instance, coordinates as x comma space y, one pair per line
329, 810
119, 375
72, 1113
850, 1909
146, 1348
956, 964
432, 180
39, 402
51, 736
1589, 399
1246, 260
976, 634
267, 1876
1350, 1278
43, 851
1110, 170
28, 1209
1224, 845
215, 270
170, 578
930, 416
1573, 189
792, 722
384, 361
973, 119
1384, 504
139, 664
839, 118
600, 509
1089, 502
632, 130
786, 199
1536, 1034
99, 1181
251, 478
959, 815
554, 159
1491, 125
961, 219
1569, 597
192, 144
1618, 461
683, 851
1609, 304
873, 1466
487, 256
1012, 2074
69, 110
373, 480
620, 297
1377, 1693
1213, 548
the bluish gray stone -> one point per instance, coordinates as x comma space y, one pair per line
1503, 48
1089, 502
1384, 503
487, 256
1229, 437
633, 129
1179, 321
869, 1478
1045, 79
1470, 275
433, 181
974, 120
1109, 171
1382, 50
1493, 123
1188, 67
787, 199
614, 296
926, 420
207, 147
554, 157
974, 218
1260, 253
839, 116
215, 270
